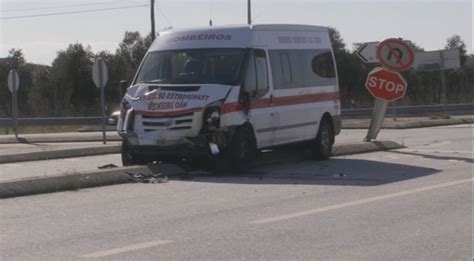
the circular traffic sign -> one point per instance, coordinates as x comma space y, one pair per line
13, 81
386, 85
395, 54
100, 73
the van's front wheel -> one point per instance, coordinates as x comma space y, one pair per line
322, 145
242, 150
130, 158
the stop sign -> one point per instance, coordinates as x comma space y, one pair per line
386, 85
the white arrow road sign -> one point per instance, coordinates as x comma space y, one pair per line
367, 52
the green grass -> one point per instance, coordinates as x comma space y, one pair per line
440, 117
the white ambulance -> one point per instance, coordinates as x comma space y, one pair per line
227, 92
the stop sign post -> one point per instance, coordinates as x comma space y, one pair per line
386, 86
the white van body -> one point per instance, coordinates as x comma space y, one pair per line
280, 81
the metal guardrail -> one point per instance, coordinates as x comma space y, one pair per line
7, 122
402, 111
414, 111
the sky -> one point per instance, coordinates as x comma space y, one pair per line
428, 23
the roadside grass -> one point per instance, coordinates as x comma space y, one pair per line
42, 129
440, 117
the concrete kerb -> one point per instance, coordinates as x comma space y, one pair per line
75, 181
365, 147
60, 154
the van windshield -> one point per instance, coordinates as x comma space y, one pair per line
197, 66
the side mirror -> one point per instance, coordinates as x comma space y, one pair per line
244, 98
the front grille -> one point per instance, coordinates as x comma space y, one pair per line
157, 123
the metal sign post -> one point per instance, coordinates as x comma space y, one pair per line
380, 108
394, 111
443, 85
386, 86
14, 85
100, 77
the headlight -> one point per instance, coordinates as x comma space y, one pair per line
124, 107
212, 115
215, 115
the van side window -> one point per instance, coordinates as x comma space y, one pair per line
286, 69
262, 72
323, 65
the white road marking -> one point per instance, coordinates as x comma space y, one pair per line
126, 249
358, 202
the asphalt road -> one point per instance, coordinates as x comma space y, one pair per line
409, 204
410, 137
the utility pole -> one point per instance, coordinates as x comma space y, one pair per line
249, 12
152, 14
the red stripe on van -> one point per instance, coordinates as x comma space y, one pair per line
283, 101
168, 113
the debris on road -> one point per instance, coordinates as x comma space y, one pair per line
108, 166
152, 178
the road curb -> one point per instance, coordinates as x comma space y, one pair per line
76, 181
96, 178
60, 153
365, 147
410, 125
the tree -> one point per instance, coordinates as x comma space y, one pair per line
336, 40
130, 53
67, 88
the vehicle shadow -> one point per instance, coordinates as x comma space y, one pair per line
299, 170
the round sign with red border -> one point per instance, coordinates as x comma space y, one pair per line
396, 55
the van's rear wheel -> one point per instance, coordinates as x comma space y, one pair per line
130, 158
322, 145
242, 150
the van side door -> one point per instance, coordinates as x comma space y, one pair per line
256, 84
291, 115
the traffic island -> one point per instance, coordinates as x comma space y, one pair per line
157, 173
89, 179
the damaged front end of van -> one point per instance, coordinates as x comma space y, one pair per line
173, 110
